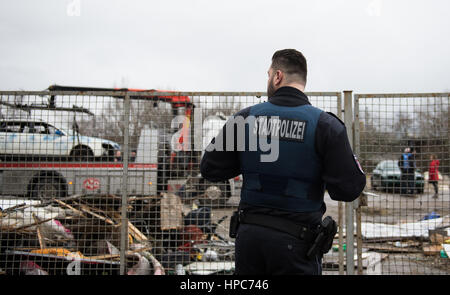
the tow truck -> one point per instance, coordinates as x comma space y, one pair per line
157, 167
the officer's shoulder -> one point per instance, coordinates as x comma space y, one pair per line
330, 120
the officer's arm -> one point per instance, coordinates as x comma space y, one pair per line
219, 164
342, 174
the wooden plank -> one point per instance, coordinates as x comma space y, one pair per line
113, 256
49, 202
85, 209
70, 198
132, 230
391, 249
432, 250
70, 207
42, 244
10, 209
135, 233
34, 223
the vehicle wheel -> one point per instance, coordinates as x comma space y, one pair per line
46, 188
215, 194
82, 154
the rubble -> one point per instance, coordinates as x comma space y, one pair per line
48, 238
428, 237
165, 237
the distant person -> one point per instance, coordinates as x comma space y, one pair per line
407, 165
433, 174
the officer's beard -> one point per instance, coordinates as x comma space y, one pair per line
271, 88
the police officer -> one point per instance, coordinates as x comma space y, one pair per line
282, 196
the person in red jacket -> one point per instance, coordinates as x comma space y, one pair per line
433, 174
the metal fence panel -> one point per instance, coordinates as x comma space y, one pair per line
60, 200
405, 221
107, 182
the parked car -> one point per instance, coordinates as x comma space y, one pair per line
36, 139
387, 176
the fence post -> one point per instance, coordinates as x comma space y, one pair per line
356, 150
340, 204
124, 203
349, 216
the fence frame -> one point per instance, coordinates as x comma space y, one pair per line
355, 139
347, 112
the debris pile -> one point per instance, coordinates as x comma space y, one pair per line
429, 236
427, 239
82, 235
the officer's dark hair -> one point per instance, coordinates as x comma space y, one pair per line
291, 62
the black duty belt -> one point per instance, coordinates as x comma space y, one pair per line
281, 224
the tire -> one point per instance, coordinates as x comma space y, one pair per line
46, 188
81, 154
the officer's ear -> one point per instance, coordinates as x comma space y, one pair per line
279, 76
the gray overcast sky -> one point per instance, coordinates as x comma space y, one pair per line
363, 45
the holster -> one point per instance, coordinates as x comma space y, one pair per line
324, 240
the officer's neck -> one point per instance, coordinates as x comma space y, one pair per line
298, 86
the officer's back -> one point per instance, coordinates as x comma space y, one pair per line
292, 153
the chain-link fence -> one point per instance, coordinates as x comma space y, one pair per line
404, 145
102, 181
96, 181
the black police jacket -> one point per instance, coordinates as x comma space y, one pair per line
342, 175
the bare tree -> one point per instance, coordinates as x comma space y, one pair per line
111, 123
404, 124
223, 105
